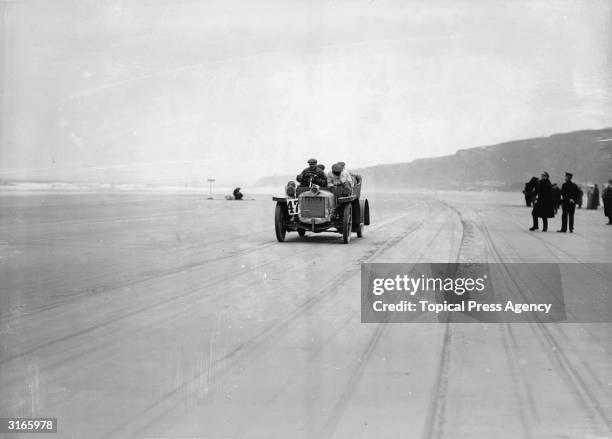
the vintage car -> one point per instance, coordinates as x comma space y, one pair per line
322, 209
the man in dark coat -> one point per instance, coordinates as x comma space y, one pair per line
529, 191
544, 204
312, 172
607, 201
569, 198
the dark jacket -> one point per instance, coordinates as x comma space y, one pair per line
607, 200
318, 175
596, 197
544, 206
529, 190
569, 191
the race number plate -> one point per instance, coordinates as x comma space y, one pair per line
293, 206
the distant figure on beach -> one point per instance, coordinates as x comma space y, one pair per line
580, 197
607, 201
237, 194
530, 191
556, 193
543, 206
593, 198
569, 197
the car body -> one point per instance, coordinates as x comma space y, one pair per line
322, 209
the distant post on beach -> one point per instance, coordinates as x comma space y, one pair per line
210, 181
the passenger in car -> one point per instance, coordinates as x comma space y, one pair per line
340, 177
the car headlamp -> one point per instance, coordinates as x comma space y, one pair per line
290, 190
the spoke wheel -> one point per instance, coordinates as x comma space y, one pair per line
347, 223
279, 222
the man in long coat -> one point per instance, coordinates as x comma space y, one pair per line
544, 204
607, 201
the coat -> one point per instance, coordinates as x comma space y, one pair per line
570, 191
544, 206
318, 177
607, 201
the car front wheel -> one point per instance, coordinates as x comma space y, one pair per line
347, 223
279, 222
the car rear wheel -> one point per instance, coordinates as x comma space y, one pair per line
279, 222
347, 223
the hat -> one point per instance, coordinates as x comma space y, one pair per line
312, 161
342, 164
569, 174
336, 168
321, 166
545, 174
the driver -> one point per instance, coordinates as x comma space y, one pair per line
318, 176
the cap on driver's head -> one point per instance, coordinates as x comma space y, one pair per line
569, 174
312, 161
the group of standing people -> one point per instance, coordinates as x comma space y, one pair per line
548, 198
545, 204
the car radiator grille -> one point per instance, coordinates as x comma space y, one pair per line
313, 207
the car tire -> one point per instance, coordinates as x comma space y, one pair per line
366, 213
279, 222
347, 223
301, 232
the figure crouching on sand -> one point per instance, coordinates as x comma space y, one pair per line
237, 194
544, 204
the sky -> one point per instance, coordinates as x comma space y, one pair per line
179, 91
